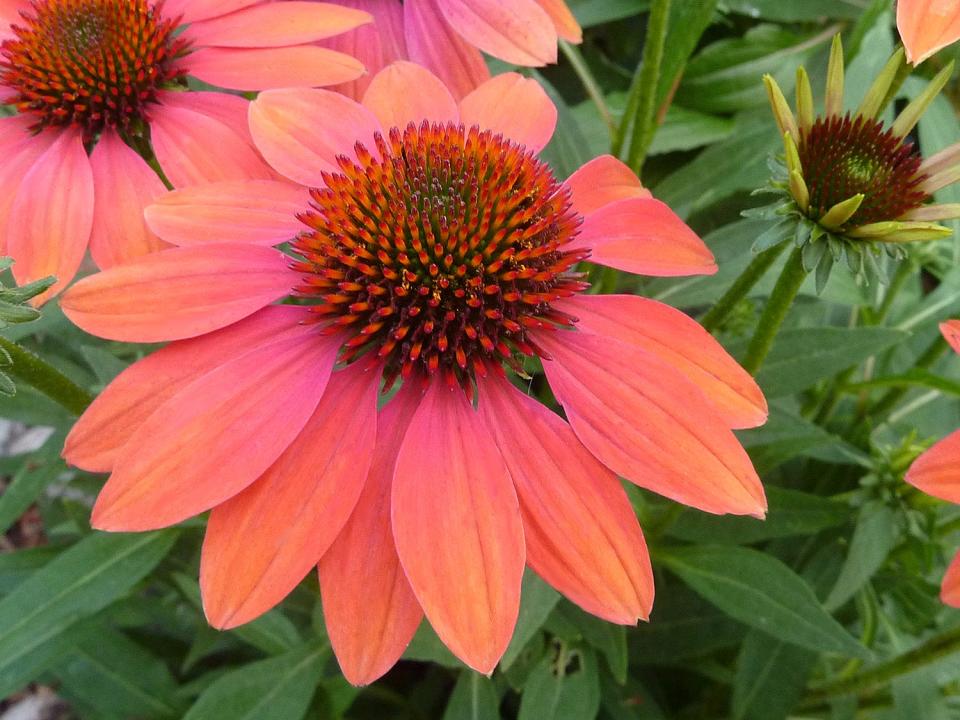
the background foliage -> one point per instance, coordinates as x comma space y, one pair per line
828, 609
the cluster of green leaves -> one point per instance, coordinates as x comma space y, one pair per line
827, 609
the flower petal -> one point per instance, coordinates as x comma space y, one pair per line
370, 610
512, 105
937, 471
645, 421
260, 212
262, 542
950, 588
268, 68
680, 341
926, 26
951, 333
563, 20
406, 93
301, 131
519, 32
602, 181
10, 14
457, 526
179, 293
125, 404
217, 435
18, 157
582, 534
195, 10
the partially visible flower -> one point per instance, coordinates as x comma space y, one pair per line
437, 251
937, 472
927, 26
447, 37
852, 187
95, 86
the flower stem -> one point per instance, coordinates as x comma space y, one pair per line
44, 377
589, 83
784, 292
645, 89
721, 310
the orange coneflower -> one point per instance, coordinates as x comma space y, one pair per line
94, 84
927, 26
438, 252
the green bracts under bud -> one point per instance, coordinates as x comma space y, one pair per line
804, 100
833, 101
781, 108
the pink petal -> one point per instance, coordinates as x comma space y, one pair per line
950, 589
18, 158
602, 181
514, 106
951, 333
269, 68
10, 14
293, 22
124, 184
262, 542
302, 131
15, 131
52, 214
125, 404
644, 236
370, 610
431, 42
194, 10
231, 110
260, 212
563, 20
937, 471
582, 534
519, 32
457, 526
680, 341
645, 421
217, 435
926, 26
179, 293
406, 93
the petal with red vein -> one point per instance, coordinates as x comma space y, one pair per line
937, 471
404, 93
645, 421
179, 293
519, 32
951, 333
457, 526
217, 435
370, 610
263, 541
512, 105
950, 588
602, 181
582, 534
276, 25
268, 68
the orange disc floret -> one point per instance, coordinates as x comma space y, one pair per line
440, 250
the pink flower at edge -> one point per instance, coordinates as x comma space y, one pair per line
73, 177
926, 26
437, 251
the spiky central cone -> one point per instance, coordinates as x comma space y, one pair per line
440, 252
95, 63
842, 157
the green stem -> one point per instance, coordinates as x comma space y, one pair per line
784, 292
44, 377
589, 83
721, 310
646, 88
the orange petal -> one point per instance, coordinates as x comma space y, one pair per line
648, 423
457, 526
951, 333
193, 10
262, 542
519, 32
179, 293
407, 93
217, 435
19, 155
269, 68
512, 105
681, 342
116, 413
937, 471
370, 610
563, 20
950, 589
926, 26
582, 534
602, 181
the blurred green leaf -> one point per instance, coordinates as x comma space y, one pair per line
771, 677
874, 538
537, 600
565, 686
794, 11
474, 697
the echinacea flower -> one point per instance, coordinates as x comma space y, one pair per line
937, 473
851, 186
437, 252
94, 84
447, 37
927, 26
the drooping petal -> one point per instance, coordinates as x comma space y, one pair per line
125, 404
563, 20
195, 10
370, 610
512, 105
602, 181
457, 526
950, 588
679, 341
18, 157
951, 333
648, 423
431, 42
926, 26
937, 471
260, 212
269, 68
406, 93
124, 185
52, 214
519, 32
179, 293
581, 532
15, 131
302, 131
644, 236
217, 435
263, 541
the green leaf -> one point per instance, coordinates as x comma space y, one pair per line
760, 591
771, 677
279, 688
786, 436
802, 11
474, 697
27, 485
565, 686
875, 536
688, 129
596, 12
606, 638
537, 600
426, 646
